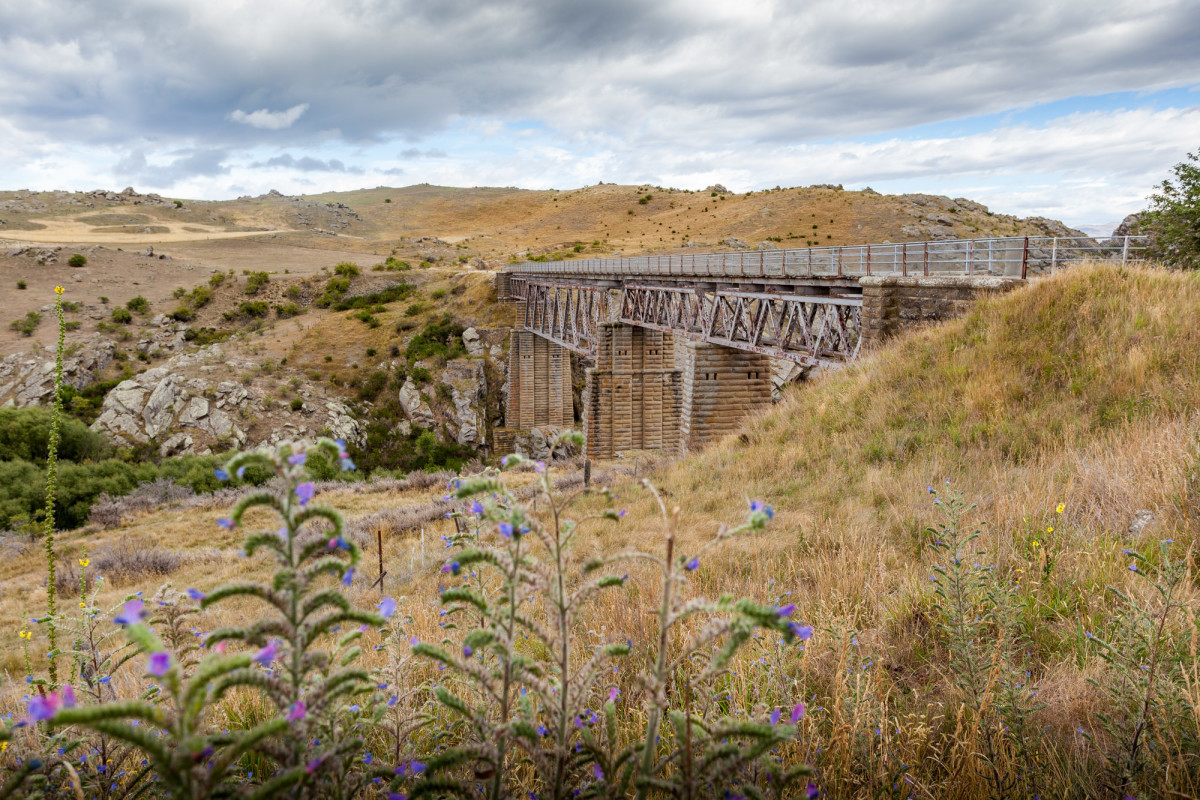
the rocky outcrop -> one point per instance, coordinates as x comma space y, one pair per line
178, 406
468, 392
25, 379
472, 342
414, 405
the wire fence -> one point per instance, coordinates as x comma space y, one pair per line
1014, 256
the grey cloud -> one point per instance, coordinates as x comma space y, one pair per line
413, 152
306, 164
135, 167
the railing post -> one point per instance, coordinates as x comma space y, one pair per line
810, 262
1053, 254
868, 259
925, 261
1125, 251
970, 256
839, 261
904, 262
1025, 259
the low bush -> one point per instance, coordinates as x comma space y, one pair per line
288, 310
441, 338
255, 281
183, 314
392, 264
27, 324
346, 269
254, 308
121, 316
138, 304
77, 260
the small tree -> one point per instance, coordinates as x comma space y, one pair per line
1173, 219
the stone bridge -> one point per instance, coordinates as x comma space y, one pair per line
680, 347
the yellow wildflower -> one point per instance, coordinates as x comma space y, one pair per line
1035, 542
1061, 508
82, 604
24, 635
3, 746
83, 562
58, 290
1050, 529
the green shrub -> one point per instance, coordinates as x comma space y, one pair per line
255, 281
288, 310
1173, 219
122, 316
71, 307
22, 285
335, 288
415, 309
297, 403
347, 269
77, 260
254, 308
376, 299
138, 304
441, 338
216, 279
206, 336
392, 264
25, 435
438, 294
179, 293
27, 324
183, 314
200, 296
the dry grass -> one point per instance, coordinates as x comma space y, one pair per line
1081, 389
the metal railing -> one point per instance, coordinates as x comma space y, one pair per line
1014, 256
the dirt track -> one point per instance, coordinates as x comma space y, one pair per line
57, 230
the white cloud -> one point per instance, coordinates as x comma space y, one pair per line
270, 120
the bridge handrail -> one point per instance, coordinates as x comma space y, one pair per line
1001, 256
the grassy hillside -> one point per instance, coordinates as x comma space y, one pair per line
1066, 411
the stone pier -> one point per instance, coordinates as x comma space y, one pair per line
632, 400
539, 383
720, 387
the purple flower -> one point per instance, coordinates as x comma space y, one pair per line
393, 700
346, 464
539, 467
339, 543
812, 792
387, 607
45, 707
598, 772
313, 765
227, 523
758, 505
305, 492
453, 567
506, 530
786, 611
477, 508
504, 461
221, 474
397, 796
797, 713
613, 694
341, 445
266, 655
348, 577
159, 664
298, 459
241, 472
692, 565
467, 651
297, 711
132, 614
195, 594
775, 715
802, 632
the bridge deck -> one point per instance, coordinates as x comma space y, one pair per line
1005, 256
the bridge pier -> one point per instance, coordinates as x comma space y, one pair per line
632, 399
721, 386
539, 383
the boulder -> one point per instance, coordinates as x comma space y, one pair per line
415, 407
468, 390
472, 342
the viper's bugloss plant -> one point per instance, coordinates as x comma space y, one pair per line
313, 732
975, 615
1147, 725
528, 697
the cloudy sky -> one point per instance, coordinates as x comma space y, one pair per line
1069, 109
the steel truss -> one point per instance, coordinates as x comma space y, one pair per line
808, 329
567, 314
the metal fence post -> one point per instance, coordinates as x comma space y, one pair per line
1053, 254
1125, 251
